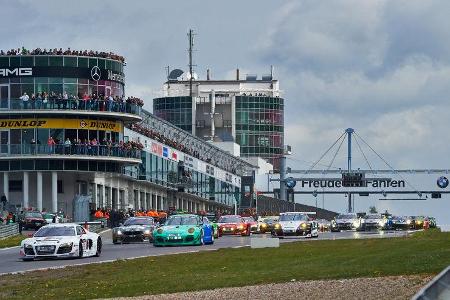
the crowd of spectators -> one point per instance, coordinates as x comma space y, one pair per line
179, 145
52, 100
60, 51
83, 147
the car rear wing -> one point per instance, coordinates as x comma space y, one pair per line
97, 224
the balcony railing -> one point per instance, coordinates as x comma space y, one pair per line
75, 149
71, 104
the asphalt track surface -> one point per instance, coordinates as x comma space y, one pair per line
11, 263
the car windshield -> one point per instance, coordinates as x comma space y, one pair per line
48, 216
212, 218
139, 221
293, 217
346, 217
229, 219
248, 219
55, 231
373, 217
270, 220
33, 215
182, 220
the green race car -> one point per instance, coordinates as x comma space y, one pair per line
184, 229
213, 220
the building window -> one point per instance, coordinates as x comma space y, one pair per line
60, 187
15, 185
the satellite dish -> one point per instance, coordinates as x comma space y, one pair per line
174, 74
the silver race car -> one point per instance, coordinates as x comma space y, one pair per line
61, 240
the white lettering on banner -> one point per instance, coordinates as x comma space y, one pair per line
16, 72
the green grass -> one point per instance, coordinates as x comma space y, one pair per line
11, 241
424, 253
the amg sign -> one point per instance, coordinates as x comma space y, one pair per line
16, 72
374, 183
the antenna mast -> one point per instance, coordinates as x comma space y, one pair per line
191, 46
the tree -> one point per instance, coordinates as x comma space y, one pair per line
373, 210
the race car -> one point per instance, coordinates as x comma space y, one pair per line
349, 221
401, 223
295, 224
51, 218
33, 220
267, 223
252, 225
233, 225
213, 221
375, 222
59, 241
432, 221
324, 225
135, 229
418, 220
185, 229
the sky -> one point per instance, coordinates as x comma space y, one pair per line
380, 67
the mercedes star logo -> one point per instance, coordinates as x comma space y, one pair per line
95, 73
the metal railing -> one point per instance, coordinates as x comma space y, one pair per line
9, 230
71, 104
438, 288
69, 149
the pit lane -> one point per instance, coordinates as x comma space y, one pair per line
11, 263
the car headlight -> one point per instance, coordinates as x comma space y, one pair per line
408, 222
363, 221
159, 231
147, 231
355, 223
263, 225
381, 223
303, 225
119, 232
419, 222
277, 226
191, 230
27, 246
240, 227
69, 245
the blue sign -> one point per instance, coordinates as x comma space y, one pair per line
290, 182
165, 152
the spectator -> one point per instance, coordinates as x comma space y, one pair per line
25, 99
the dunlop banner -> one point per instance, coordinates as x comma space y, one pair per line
61, 123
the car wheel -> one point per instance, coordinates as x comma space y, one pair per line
99, 247
80, 250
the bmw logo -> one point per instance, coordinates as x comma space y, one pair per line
290, 182
442, 182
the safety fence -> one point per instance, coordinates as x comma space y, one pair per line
9, 230
438, 288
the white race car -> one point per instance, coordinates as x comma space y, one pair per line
61, 240
295, 224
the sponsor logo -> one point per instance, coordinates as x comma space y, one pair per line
101, 125
83, 124
96, 74
157, 149
115, 77
290, 182
16, 72
442, 182
382, 183
174, 155
22, 123
165, 152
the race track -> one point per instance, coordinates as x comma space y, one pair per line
11, 263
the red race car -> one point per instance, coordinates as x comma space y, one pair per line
251, 224
233, 225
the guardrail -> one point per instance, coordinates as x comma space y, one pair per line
9, 230
438, 288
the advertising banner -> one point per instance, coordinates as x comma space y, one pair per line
61, 123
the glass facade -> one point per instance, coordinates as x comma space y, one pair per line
71, 65
165, 172
176, 110
260, 127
